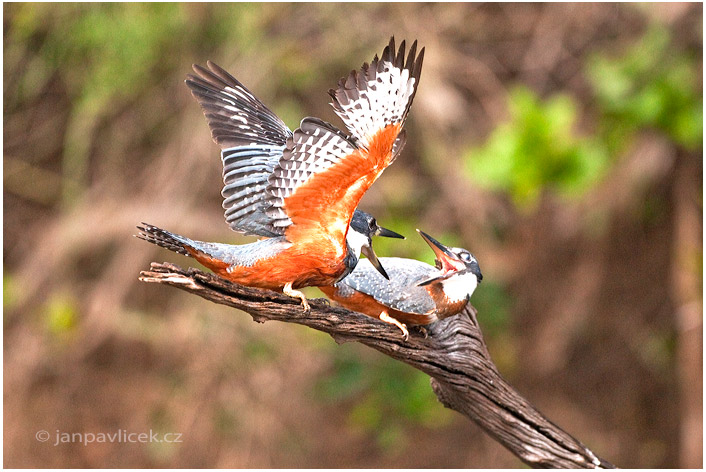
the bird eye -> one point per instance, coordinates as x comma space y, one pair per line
466, 256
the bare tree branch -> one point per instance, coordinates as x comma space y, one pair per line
453, 354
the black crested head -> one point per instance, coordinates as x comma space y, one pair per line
363, 223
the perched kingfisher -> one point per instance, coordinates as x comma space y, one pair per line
299, 190
416, 293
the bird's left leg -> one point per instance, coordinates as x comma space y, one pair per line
388, 319
288, 290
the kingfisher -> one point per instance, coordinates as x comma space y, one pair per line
416, 293
299, 190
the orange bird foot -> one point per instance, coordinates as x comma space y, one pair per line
388, 319
288, 290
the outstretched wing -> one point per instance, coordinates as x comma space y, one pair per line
246, 170
252, 139
319, 181
323, 174
380, 94
236, 117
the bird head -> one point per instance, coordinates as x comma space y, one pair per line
360, 237
459, 268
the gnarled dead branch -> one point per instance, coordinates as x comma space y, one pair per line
453, 354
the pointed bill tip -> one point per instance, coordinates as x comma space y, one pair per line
373, 258
431, 241
443, 254
388, 233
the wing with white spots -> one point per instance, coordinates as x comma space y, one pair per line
235, 116
380, 94
400, 291
318, 183
252, 139
246, 170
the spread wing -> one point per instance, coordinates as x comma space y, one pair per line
246, 170
400, 291
252, 139
323, 173
236, 117
380, 94
311, 187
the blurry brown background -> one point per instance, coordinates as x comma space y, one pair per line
560, 143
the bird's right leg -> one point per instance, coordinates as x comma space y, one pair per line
388, 319
288, 290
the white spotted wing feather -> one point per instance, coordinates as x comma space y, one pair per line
314, 148
380, 94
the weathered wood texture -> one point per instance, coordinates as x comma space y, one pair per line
454, 354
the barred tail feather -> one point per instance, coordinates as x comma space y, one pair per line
165, 239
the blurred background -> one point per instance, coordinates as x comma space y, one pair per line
560, 143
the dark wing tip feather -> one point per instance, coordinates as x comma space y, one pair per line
399, 60
235, 116
215, 75
358, 117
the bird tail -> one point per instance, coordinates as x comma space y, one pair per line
165, 239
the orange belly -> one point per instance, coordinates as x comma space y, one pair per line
300, 267
367, 305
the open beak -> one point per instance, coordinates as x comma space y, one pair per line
387, 233
447, 260
373, 258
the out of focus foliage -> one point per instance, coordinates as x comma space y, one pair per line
61, 315
648, 87
386, 397
103, 53
539, 148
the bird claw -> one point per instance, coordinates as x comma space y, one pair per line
289, 291
388, 319
423, 330
305, 304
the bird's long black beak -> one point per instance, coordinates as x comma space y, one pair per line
373, 258
441, 251
449, 262
387, 233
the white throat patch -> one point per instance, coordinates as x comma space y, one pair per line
356, 241
459, 287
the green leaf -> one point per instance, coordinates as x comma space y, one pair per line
536, 150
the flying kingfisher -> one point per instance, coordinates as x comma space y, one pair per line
299, 190
416, 293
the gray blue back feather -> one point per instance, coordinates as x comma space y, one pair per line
400, 292
244, 254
